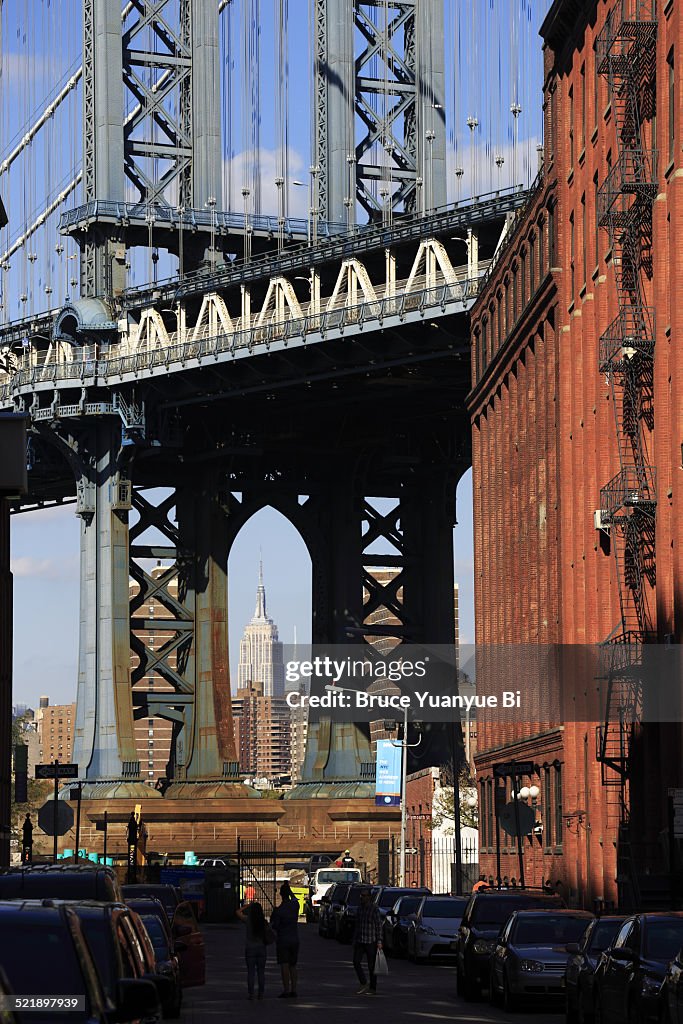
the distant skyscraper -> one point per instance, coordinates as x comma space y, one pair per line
261, 659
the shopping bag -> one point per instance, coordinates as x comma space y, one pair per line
381, 965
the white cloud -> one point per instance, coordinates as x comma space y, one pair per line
238, 173
49, 570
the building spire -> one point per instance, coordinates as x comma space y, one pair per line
260, 612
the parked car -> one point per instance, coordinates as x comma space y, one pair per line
672, 992
113, 937
434, 927
7, 1016
166, 962
530, 958
345, 913
186, 937
583, 960
396, 923
44, 953
386, 895
484, 917
168, 895
630, 974
322, 881
57, 881
329, 907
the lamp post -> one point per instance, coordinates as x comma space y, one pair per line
279, 182
404, 745
314, 171
247, 234
430, 135
211, 203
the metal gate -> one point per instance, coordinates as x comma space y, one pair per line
257, 867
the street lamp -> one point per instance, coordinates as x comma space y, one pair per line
211, 203
246, 192
279, 182
430, 135
314, 171
403, 744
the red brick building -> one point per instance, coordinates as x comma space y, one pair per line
577, 435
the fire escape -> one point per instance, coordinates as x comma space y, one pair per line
626, 57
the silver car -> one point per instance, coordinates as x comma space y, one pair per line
434, 926
530, 957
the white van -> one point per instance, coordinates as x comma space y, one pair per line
323, 879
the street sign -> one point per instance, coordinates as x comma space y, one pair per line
506, 768
56, 771
411, 850
55, 817
514, 811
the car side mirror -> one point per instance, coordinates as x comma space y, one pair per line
183, 929
180, 947
135, 998
572, 947
623, 953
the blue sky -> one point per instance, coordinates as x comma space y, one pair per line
45, 547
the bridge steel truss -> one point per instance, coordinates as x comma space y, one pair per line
162, 56
378, 65
315, 392
626, 52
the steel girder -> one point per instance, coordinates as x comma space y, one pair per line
393, 88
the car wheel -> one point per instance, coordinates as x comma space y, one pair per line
494, 994
510, 1001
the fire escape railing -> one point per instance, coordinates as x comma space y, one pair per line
626, 57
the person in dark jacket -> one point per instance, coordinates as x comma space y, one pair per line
366, 941
257, 937
285, 922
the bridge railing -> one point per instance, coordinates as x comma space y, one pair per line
107, 368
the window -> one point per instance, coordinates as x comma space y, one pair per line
584, 242
523, 259
551, 236
490, 810
596, 219
583, 106
571, 127
514, 294
484, 343
572, 257
672, 104
532, 264
596, 85
547, 809
558, 804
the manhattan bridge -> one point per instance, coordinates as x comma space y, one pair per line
243, 238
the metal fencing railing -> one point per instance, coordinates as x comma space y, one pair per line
111, 368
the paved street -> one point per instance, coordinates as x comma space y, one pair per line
327, 986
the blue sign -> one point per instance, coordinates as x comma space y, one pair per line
388, 784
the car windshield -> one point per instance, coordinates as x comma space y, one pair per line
98, 934
340, 892
156, 932
603, 935
39, 959
548, 930
663, 938
166, 895
490, 911
407, 904
443, 908
353, 897
388, 898
325, 877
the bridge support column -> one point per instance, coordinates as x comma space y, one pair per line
104, 743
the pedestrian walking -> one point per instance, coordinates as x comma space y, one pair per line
285, 922
481, 884
258, 937
366, 941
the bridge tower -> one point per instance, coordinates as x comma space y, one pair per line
379, 128
151, 132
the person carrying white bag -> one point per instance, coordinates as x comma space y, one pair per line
367, 943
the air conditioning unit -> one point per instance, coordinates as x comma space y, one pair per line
601, 520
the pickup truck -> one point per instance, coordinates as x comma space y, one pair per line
321, 882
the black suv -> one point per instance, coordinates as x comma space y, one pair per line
60, 882
330, 905
345, 916
482, 922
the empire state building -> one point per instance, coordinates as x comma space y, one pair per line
261, 650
